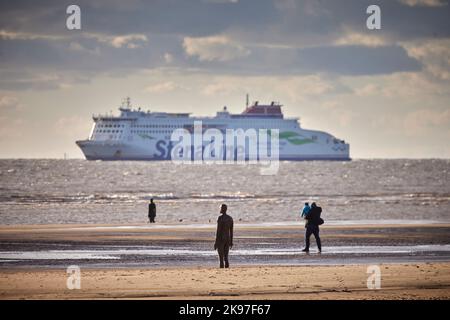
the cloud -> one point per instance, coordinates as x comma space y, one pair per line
13, 35
305, 86
130, 41
25, 80
214, 48
434, 55
424, 3
368, 40
117, 41
8, 102
357, 60
369, 89
294, 88
407, 87
162, 87
330, 59
76, 46
287, 37
217, 89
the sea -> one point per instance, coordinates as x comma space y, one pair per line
50, 191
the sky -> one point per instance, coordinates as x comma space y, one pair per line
386, 92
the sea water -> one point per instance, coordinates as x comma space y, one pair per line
80, 191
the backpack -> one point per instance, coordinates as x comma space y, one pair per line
319, 219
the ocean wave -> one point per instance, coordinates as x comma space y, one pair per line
237, 195
424, 198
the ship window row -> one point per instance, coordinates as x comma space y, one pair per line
109, 131
111, 125
151, 131
155, 126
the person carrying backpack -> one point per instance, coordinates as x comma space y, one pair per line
312, 226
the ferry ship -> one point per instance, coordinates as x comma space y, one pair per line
143, 135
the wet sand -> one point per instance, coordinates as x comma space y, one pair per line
422, 233
177, 262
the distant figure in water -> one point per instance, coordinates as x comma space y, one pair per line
151, 211
305, 210
312, 226
224, 236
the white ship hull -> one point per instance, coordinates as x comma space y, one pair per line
137, 135
96, 150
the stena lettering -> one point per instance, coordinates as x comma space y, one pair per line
212, 146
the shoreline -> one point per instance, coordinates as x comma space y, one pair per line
199, 227
146, 262
143, 246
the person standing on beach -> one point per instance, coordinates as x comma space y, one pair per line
224, 236
312, 227
151, 211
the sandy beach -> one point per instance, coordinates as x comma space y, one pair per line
399, 281
177, 262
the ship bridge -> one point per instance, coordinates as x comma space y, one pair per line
272, 110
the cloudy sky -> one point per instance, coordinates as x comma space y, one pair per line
386, 92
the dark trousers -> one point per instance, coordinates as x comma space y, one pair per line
152, 219
222, 250
311, 229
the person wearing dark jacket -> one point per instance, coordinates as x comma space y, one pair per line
312, 227
151, 211
224, 236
